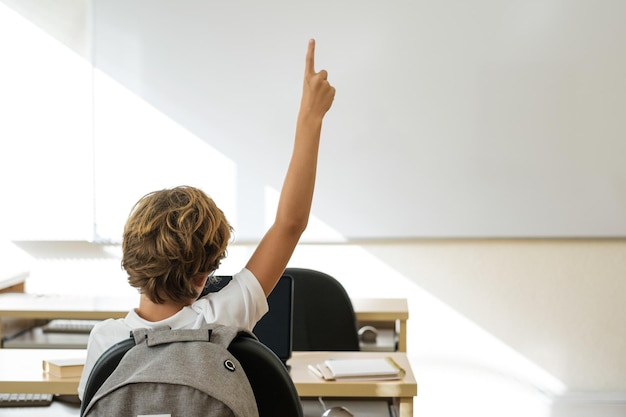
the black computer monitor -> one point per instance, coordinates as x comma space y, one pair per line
275, 328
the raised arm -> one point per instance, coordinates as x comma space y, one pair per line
275, 249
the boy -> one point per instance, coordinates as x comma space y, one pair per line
175, 239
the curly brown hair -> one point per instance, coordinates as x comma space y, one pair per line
172, 237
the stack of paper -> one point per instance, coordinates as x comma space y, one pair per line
358, 369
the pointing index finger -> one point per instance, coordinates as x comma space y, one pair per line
310, 58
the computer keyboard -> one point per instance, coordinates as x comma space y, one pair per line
69, 326
25, 400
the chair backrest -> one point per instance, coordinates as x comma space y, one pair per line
104, 366
274, 390
323, 316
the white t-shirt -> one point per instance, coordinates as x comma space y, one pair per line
240, 303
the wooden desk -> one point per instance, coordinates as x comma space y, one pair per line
33, 306
21, 371
52, 306
13, 284
378, 311
47, 307
309, 385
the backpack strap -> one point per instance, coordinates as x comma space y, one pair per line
214, 333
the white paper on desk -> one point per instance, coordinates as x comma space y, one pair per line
378, 369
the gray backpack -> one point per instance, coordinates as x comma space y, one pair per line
176, 373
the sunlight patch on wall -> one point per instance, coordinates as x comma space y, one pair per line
45, 146
316, 231
139, 150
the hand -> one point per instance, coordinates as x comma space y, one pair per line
317, 93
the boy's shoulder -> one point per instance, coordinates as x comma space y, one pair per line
217, 283
109, 331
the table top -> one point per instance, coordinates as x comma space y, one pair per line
21, 371
13, 283
48, 306
12, 279
310, 385
381, 309
37, 306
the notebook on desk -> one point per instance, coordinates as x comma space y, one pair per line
275, 329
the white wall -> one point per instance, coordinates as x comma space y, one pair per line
485, 118
46, 144
452, 118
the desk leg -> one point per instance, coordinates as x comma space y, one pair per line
405, 408
402, 336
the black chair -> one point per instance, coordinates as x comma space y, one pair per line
104, 366
323, 316
275, 393
273, 388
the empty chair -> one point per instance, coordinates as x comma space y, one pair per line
323, 316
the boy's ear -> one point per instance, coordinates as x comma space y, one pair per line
199, 283
200, 280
